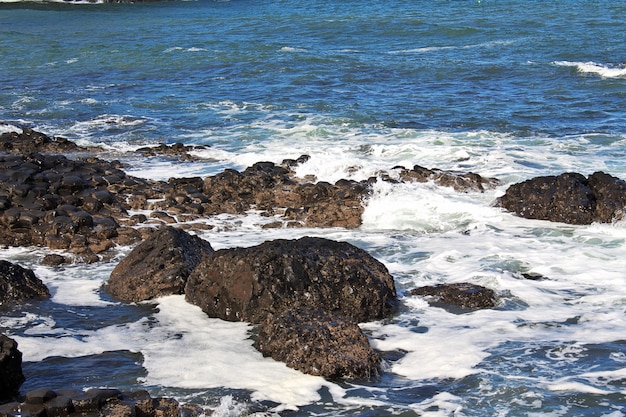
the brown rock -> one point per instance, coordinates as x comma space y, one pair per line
463, 296
317, 342
249, 284
568, 198
158, 266
18, 284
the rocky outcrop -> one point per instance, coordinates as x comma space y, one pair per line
274, 189
250, 284
50, 200
103, 402
18, 284
81, 205
318, 342
11, 376
158, 266
177, 150
460, 297
460, 181
29, 141
568, 198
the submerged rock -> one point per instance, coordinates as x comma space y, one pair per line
158, 266
568, 198
103, 402
250, 284
318, 342
19, 284
11, 376
459, 297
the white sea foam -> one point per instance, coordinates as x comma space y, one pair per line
183, 347
603, 70
8, 128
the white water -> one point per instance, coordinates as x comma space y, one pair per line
425, 235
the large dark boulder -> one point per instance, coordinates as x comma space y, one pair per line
11, 376
249, 284
568, 198
459, 297
19, 284
318, 342
158, 266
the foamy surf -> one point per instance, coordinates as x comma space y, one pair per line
603, 70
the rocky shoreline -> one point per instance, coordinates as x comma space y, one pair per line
306, 296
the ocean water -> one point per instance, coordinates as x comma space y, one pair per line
505, 88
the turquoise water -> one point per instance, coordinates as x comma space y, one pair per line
504, 88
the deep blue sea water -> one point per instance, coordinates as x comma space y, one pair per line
504, 88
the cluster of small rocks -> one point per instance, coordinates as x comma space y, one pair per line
44, 402
82, 205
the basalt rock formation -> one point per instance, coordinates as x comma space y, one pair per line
18, 284
318, 342
568, 198
11, 376
102, 402
251, 284
158, 266
460, 297
82, 205
460, 181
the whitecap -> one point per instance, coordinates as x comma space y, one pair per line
603, 70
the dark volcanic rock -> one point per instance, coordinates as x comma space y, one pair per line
178, 150
96, 402
463, 296
463, 182
19, 284
31, 141
11, 376
160, 265
317, 342
249, 284
568, 198
81, 205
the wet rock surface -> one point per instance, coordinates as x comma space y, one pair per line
568, 198
103, 402
18, 284
11, 376
82, 205
158, 266
318, 342
250, 284
460, 181
460, 297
